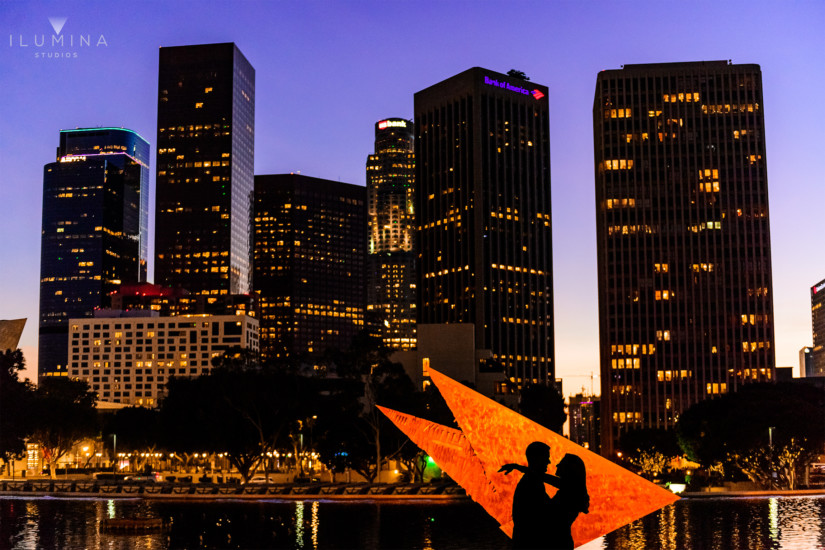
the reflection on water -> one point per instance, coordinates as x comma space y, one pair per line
770, 523
786, 523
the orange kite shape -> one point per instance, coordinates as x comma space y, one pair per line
492, 435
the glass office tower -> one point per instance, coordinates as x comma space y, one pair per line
684, 257
482, 155
205, 172
93, 238
391, 217
310, 254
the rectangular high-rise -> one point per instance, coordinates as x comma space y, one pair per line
205, 169
482, 155
684, 257
817, 354
310, 239
391, 217
93, 237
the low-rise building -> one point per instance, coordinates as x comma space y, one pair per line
128, 357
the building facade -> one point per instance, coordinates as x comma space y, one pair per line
583, 414
205, 169
683, 239
482, 155
310, 256
391, 217
817, 360
806, 362
93, 230
169, 302
129, 359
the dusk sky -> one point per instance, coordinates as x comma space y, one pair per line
327, 71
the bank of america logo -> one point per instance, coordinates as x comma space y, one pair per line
57, 23
537, 94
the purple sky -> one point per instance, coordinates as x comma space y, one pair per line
326, 71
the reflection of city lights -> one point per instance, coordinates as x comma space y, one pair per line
315, 522
299, 524
773, 506
110, 508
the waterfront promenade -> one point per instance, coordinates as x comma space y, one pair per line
78, 488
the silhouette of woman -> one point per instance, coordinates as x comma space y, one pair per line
540, 522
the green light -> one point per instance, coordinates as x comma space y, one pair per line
431, 461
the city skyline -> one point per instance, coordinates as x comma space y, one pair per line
347, 81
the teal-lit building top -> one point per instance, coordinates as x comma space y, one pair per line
94, 230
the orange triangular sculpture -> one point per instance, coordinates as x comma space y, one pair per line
492, 435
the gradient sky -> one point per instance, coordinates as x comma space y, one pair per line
326, 71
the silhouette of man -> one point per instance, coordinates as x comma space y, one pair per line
540, 522
531, 505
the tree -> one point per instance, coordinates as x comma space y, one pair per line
62, 413
544, 405
243, 413
369, 378
515, 73
735, 428
650, 449
137, 428
15, 396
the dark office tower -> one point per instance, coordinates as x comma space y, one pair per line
817, 355
482, 156
94, 200
205, 178
309, 256
684, 257
391, 218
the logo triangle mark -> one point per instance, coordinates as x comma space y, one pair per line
492, 435
57, 23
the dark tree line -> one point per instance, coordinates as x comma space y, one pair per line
55, 414
767, 433
247, 410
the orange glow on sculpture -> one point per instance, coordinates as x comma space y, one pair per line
492, 435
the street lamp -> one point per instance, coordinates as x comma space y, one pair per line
114, 454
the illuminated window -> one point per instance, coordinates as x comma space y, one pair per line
617, 113
618, 164
660, 268
198, 105
663, 335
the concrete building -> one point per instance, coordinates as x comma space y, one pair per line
806, 362
583, 413
452, 350
310, 255
127, 357
683, 239
482, 157
818, 324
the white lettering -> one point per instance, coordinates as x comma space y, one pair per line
57, 40
102, 40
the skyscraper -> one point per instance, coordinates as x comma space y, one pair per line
205, 173
482, 155
310, 253
391, 218
817, 354
684, 258
93, 238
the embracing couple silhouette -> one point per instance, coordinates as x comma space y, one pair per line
541, 522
